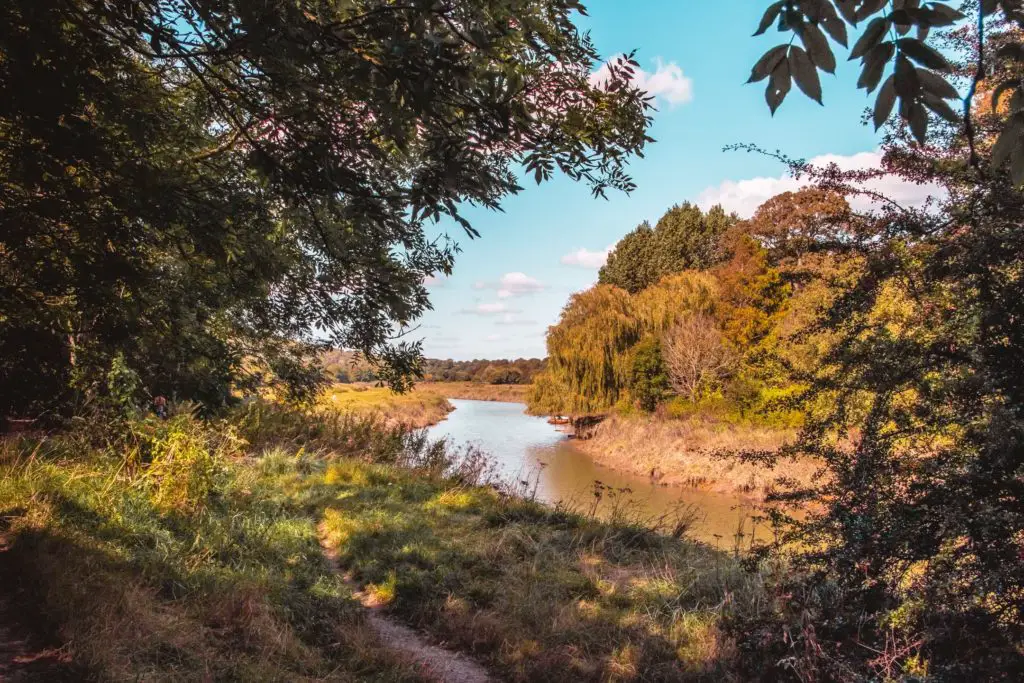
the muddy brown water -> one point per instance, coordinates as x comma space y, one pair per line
539, 458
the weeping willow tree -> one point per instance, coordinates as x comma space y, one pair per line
675, 297
590, 350
588, 354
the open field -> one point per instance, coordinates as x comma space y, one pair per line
476, 391
415, 409
692, 452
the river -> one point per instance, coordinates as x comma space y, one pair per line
531, 454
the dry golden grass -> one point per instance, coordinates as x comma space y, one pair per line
415, 410
511, 393
692, 452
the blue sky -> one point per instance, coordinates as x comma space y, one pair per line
510, 284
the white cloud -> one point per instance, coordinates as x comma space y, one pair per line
584, 258
496, 308
667, 82
512, 284
434, 280
511, 320
493, 337
744, 196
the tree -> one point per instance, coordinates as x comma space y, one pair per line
795, 225
685, 238
911, 564
631, 264
919, 77
588, 351
688, 239
696, 355
200, 183
649, 382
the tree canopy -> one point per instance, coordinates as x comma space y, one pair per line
200, 184
684, 238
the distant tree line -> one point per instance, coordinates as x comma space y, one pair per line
343, 366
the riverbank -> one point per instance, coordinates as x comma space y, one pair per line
187, 550
414, 409
477, 391
692, 453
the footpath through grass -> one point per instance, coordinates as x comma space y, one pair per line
191, 551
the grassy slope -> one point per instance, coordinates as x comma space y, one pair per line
688, 452
536, 594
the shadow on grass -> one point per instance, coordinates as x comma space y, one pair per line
230, 594
539, 594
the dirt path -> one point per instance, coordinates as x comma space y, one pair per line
439, 664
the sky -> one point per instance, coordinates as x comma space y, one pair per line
511, 283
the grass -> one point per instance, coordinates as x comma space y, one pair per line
535, 593
476, 391
184, 550
232, 586
694, 452
415, 409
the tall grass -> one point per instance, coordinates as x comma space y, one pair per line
168, 556
190, 550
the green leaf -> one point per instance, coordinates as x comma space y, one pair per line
874, 65
919, 122
885, 101
848, 8
778, 86
940, 14
1007, 141
766, 65
817, 47
869, 7
1017, 165
872, 35
769, 17
923, 54
804, 73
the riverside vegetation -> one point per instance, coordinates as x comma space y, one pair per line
185, 549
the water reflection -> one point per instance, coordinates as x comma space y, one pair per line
528, 449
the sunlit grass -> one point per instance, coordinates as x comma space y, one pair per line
413, 409
234, 585
535, 592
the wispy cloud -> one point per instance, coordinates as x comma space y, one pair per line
487, 309
584, 258
435, 280
667, 82
512, 284
511, 321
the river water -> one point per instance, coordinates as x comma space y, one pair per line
533, 455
